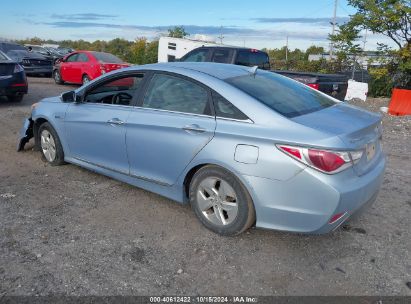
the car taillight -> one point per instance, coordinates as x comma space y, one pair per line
102, 69
323, 160
18, 68
314, 85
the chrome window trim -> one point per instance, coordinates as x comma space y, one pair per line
236, 120
175, 112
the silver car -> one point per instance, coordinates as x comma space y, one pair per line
242, 146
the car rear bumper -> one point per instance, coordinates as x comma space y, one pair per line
307, 202
13, 85
32, 70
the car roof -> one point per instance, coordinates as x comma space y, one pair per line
217, 70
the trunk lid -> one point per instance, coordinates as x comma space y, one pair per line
358, 129
6, 68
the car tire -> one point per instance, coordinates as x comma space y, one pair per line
50, 145
15, 98
220, 201
85, 79
57, 77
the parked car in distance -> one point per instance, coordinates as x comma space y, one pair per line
48, 53
243, 146
83, 66
13, 81
229, 54
33, 63
334, 85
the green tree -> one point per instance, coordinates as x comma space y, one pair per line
177, 32
391, 18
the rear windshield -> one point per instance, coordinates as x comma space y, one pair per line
3, 57
253, 58
281, 94
107, 58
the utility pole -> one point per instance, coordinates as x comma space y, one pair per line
333, 30
221, 37
286, 53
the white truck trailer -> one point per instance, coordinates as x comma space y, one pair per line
170, 49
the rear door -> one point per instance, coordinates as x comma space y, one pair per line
171, 125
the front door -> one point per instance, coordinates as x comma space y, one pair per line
96, 127
172, 125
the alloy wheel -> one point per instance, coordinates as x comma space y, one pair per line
217, 201
48, 145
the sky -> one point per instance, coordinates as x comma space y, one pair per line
251, 23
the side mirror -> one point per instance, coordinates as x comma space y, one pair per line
69, 96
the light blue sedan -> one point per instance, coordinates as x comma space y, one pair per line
243, 146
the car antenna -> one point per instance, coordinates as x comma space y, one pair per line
253, 70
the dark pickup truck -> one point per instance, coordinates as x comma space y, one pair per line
332, 84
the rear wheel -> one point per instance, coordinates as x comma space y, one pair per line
57, 77
86, 79
16, 97
50, 145
221, 202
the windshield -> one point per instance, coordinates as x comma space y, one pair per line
107, 58
282, 94
6, 47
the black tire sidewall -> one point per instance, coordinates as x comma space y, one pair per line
56, 72
246, 213
59, 159
88, 78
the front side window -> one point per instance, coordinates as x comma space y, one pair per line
281, 94
72, 58
116, 92
171, 93
196, 56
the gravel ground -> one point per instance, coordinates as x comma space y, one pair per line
65, 230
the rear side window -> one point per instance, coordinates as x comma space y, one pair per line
222, 56
224, 108
171, 93
82, 57
196, 56
281, 94
253, 58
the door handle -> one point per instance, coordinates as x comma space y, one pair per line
115, 121
194, 128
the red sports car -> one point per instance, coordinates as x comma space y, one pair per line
82, 66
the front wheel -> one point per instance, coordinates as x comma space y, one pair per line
50, 145
221, 202
57, 77
86, 79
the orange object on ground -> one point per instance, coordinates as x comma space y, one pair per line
400, 102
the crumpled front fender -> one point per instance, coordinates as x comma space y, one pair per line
26, 132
